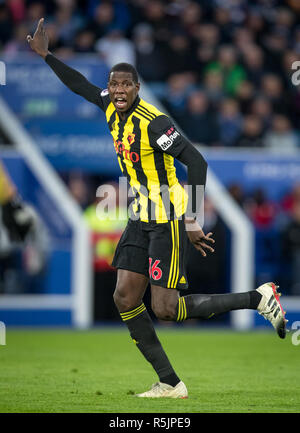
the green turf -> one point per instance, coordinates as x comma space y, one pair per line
99, 370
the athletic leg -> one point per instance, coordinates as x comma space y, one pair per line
205, 306
128, 298
167, 305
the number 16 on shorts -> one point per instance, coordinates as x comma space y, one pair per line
155, 271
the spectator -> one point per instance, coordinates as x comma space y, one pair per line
288, 59
245, 94
149, 55
243, 38
253, 58
230, 122
17, 10
6, 25
233, 72
103, 19
190, 17
84, 41
237, 193
206, 34
271, 87
199, 122
252, 132
68, 22
19, 42
213, 87
115, 48
154, 13
179, 56
296, 39
179, 87
281, 137
262, 108
261, 210
291, 199
35, 11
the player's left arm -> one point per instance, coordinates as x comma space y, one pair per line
164, 137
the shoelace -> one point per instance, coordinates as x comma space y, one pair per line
157, 385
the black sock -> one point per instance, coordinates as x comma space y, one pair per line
144, 336
205, 306
255, 298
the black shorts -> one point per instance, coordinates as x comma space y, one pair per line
158, 251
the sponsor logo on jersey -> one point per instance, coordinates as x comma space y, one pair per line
167, 139
125, 153
104, 92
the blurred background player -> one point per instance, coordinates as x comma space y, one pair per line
17, 217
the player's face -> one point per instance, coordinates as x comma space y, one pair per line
122, 90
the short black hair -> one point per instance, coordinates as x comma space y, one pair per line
126, 67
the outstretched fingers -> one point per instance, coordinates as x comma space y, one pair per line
39, 30
40, 25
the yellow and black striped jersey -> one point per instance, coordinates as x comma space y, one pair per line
146, 143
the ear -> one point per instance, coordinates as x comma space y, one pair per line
137, 86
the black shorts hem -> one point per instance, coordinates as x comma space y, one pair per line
128, 268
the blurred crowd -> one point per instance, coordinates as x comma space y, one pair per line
223, 68
277, 224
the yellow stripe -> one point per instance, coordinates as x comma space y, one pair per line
133, 315
179, 310
177, 252
172, 258
109, 111
176, 255
129, 314
185, 313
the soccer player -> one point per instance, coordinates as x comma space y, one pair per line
17, 217
153, 245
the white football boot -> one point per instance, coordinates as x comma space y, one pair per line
160, 389
270, 308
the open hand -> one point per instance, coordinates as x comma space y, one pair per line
197, 237
40, 41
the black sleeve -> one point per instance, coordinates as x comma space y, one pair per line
196, 174
76, 82
164, 137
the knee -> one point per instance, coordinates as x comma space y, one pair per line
124, 299
164, 310
121, 299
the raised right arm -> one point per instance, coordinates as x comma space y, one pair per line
73, 79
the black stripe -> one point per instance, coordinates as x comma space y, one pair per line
147, 112
111, 120
136, 147
146, 116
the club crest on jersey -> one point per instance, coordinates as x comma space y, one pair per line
167, 139
131, 138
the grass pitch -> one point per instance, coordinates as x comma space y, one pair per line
99, 370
